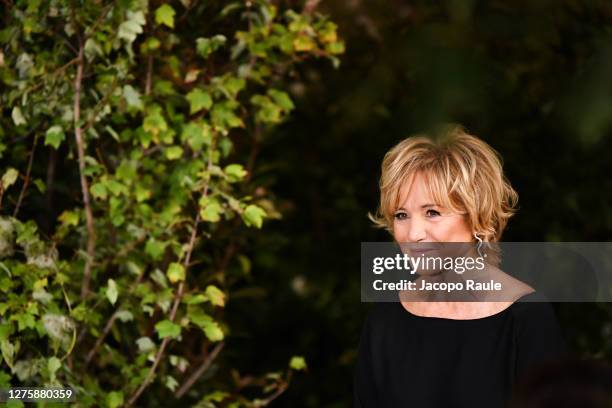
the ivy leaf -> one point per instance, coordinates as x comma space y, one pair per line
69, 218
155, 249
210, 209
114, 399
125, 315
198, 100
111, 291
9, 177
132, 97
196, 134
303, 43
235, 172
54, 136
165, 15
17, 116
130, 28
253, 216
335, 47
98, 190
174, 152
166, 328
176, 272
170, 382
206, 46
282, 99
145, 344
154, 123
213, 331
53, 364
211, 328
297, 363
234, 85
215, 295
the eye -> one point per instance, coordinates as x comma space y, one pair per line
432, 213
400, 216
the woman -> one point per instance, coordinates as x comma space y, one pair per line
417, 353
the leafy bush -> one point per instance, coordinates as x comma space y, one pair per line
131, 130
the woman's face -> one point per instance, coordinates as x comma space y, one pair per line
420, 219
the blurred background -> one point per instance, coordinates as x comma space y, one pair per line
532, 78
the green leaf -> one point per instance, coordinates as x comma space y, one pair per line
154, 122
282, 99
297, 363
9, 177
54, 136
8, 352
53, 364
176, 272
253, 216
130, 28
210, 209
166, 328
98, 190
17, 116
215, 295
40, 185
170, 382
114, 399
198, 100
335, 47
223, 115
211, 329
132, 97
24, 321
304, 43
145, 344
234, 85
206, 46
125, 315
196, 134
111, 291
174, 152
155, 249
165, 15
235, 172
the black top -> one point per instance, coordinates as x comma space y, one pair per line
407, 360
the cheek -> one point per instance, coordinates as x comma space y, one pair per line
400, 232
451, 230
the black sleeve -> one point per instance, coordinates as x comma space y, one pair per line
539, 337
364, 388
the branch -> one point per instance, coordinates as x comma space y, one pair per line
100, 105
149, 74
26, 182
281, 388
78, 133
109, 324
201, 370
181, 288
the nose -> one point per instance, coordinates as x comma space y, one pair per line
413, 230
416, 230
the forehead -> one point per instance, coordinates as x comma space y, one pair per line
415, 191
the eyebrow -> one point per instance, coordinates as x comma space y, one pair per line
423, 206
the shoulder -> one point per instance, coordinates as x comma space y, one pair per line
536, 322
537, 332
533, 307
383, 315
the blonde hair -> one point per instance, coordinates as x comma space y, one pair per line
462, 173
